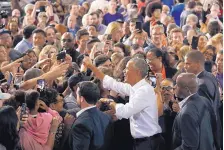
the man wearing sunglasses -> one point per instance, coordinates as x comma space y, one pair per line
67, 43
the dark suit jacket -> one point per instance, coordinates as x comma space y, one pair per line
92, 130
192, 126
208, 88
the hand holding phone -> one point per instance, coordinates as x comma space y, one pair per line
194, 43
138, 26
23, 110
41, 84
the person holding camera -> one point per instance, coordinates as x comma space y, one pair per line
142, 105
40, 129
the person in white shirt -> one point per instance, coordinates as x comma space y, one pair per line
142, 107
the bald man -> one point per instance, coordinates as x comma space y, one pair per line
193, 126
67, 43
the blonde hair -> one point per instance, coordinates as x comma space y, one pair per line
112, 27
183, 52
46, 49
28, 6
116, 57
215, 40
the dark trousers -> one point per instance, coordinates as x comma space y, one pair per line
155, 142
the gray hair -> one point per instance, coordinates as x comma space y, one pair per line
193, 17
141, 65
32, 73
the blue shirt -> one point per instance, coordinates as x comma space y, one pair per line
73, 31
23, 46
176, 12
169, 3
108, 18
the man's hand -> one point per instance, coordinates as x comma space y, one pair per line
87, 62
54, 124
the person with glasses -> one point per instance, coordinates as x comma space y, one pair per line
67, 43
169, 114
209, 53
157, 36
158, 63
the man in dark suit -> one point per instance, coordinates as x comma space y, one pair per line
194, 126
92, 129
208, 85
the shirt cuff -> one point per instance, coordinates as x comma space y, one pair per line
118, 109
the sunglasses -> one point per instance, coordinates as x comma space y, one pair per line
66, 40
167, 88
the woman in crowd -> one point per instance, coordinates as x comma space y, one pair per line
9, 126
209, 53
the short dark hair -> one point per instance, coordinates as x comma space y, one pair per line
31, 98
40, 31
11, 102
28, 31
101, 59
94, 13
213, 48
76, 78
213, 28
81, 33
49, 96
191, 4
89, 91
196, 56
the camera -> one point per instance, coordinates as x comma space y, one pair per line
3, 14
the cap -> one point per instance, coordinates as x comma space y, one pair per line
119, 21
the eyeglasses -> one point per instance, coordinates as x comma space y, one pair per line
167, 88
66, 40
148, 60
208, 54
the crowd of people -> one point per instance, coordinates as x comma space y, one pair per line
111, 75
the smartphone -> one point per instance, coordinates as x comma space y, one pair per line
109, 37
41, 84
23, 110
153, 80
10, 79
138, 26
61, 56
194, 44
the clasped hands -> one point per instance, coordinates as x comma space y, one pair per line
110, 105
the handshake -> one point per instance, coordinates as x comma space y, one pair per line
107, 106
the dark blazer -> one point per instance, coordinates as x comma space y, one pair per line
192, 126
208, 88
92, 130
170, 72
74, 54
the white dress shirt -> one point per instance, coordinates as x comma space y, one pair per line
141, 109
82, 110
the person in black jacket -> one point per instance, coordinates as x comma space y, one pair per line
158, 63
92, 129
195, 125
208, 84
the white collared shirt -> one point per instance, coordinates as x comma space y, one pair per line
181, 103
82, 110
141, 108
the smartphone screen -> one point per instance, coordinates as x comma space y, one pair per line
10, 79
194, 43
138, 26
153, 81
23, 110
41, 84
